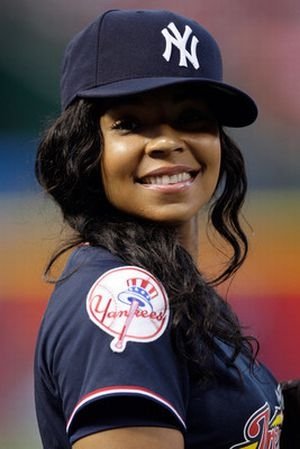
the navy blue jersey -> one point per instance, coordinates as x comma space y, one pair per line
105, 359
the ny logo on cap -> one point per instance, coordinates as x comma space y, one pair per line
180, 41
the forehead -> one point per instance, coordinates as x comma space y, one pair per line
173, 95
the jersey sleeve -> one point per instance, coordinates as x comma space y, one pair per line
106, 346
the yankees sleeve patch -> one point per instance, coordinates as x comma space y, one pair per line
129, 304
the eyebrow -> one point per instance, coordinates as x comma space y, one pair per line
129, 100
185, 93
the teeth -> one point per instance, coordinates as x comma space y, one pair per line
185, 176
165, 179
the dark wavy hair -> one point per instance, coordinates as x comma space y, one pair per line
68, 168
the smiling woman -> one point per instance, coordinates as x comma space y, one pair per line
161, 156
136, 348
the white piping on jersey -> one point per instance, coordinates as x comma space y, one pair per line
122, 389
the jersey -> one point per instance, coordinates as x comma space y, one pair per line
105, 359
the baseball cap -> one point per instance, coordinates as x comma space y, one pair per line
126, 52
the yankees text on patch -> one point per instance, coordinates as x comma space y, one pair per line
129, 304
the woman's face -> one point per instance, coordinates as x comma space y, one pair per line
161, 155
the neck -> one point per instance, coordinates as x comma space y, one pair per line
188, 234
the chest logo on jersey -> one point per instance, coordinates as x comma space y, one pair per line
262, 431
129, 304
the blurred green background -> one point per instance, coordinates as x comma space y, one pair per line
260, 41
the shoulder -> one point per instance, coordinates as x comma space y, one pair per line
105, 346
67, 303
83, 267
86, 256
98, 288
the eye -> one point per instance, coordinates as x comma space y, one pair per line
194, 119
126, 124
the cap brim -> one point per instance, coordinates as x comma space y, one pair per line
232, 106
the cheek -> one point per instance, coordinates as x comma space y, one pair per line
120, 156
214, 161
207, 151
209, 156
214, 157
118, 165
108, 167
110, 179
113, 161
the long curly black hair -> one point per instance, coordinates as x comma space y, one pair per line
68, 168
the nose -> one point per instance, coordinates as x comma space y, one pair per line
163, 141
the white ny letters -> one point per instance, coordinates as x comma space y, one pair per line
180, 42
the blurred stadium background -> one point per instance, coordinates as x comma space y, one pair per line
260, 41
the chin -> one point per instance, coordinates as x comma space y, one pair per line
169, 214
172, 218
178, 214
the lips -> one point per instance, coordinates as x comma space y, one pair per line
166, 179
169, 176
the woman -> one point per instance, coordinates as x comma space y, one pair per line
136, 348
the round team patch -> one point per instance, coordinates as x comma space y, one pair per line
129, 304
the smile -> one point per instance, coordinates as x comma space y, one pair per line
165, 180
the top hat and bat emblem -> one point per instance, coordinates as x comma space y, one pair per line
129, 304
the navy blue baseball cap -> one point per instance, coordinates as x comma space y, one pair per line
126, 52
